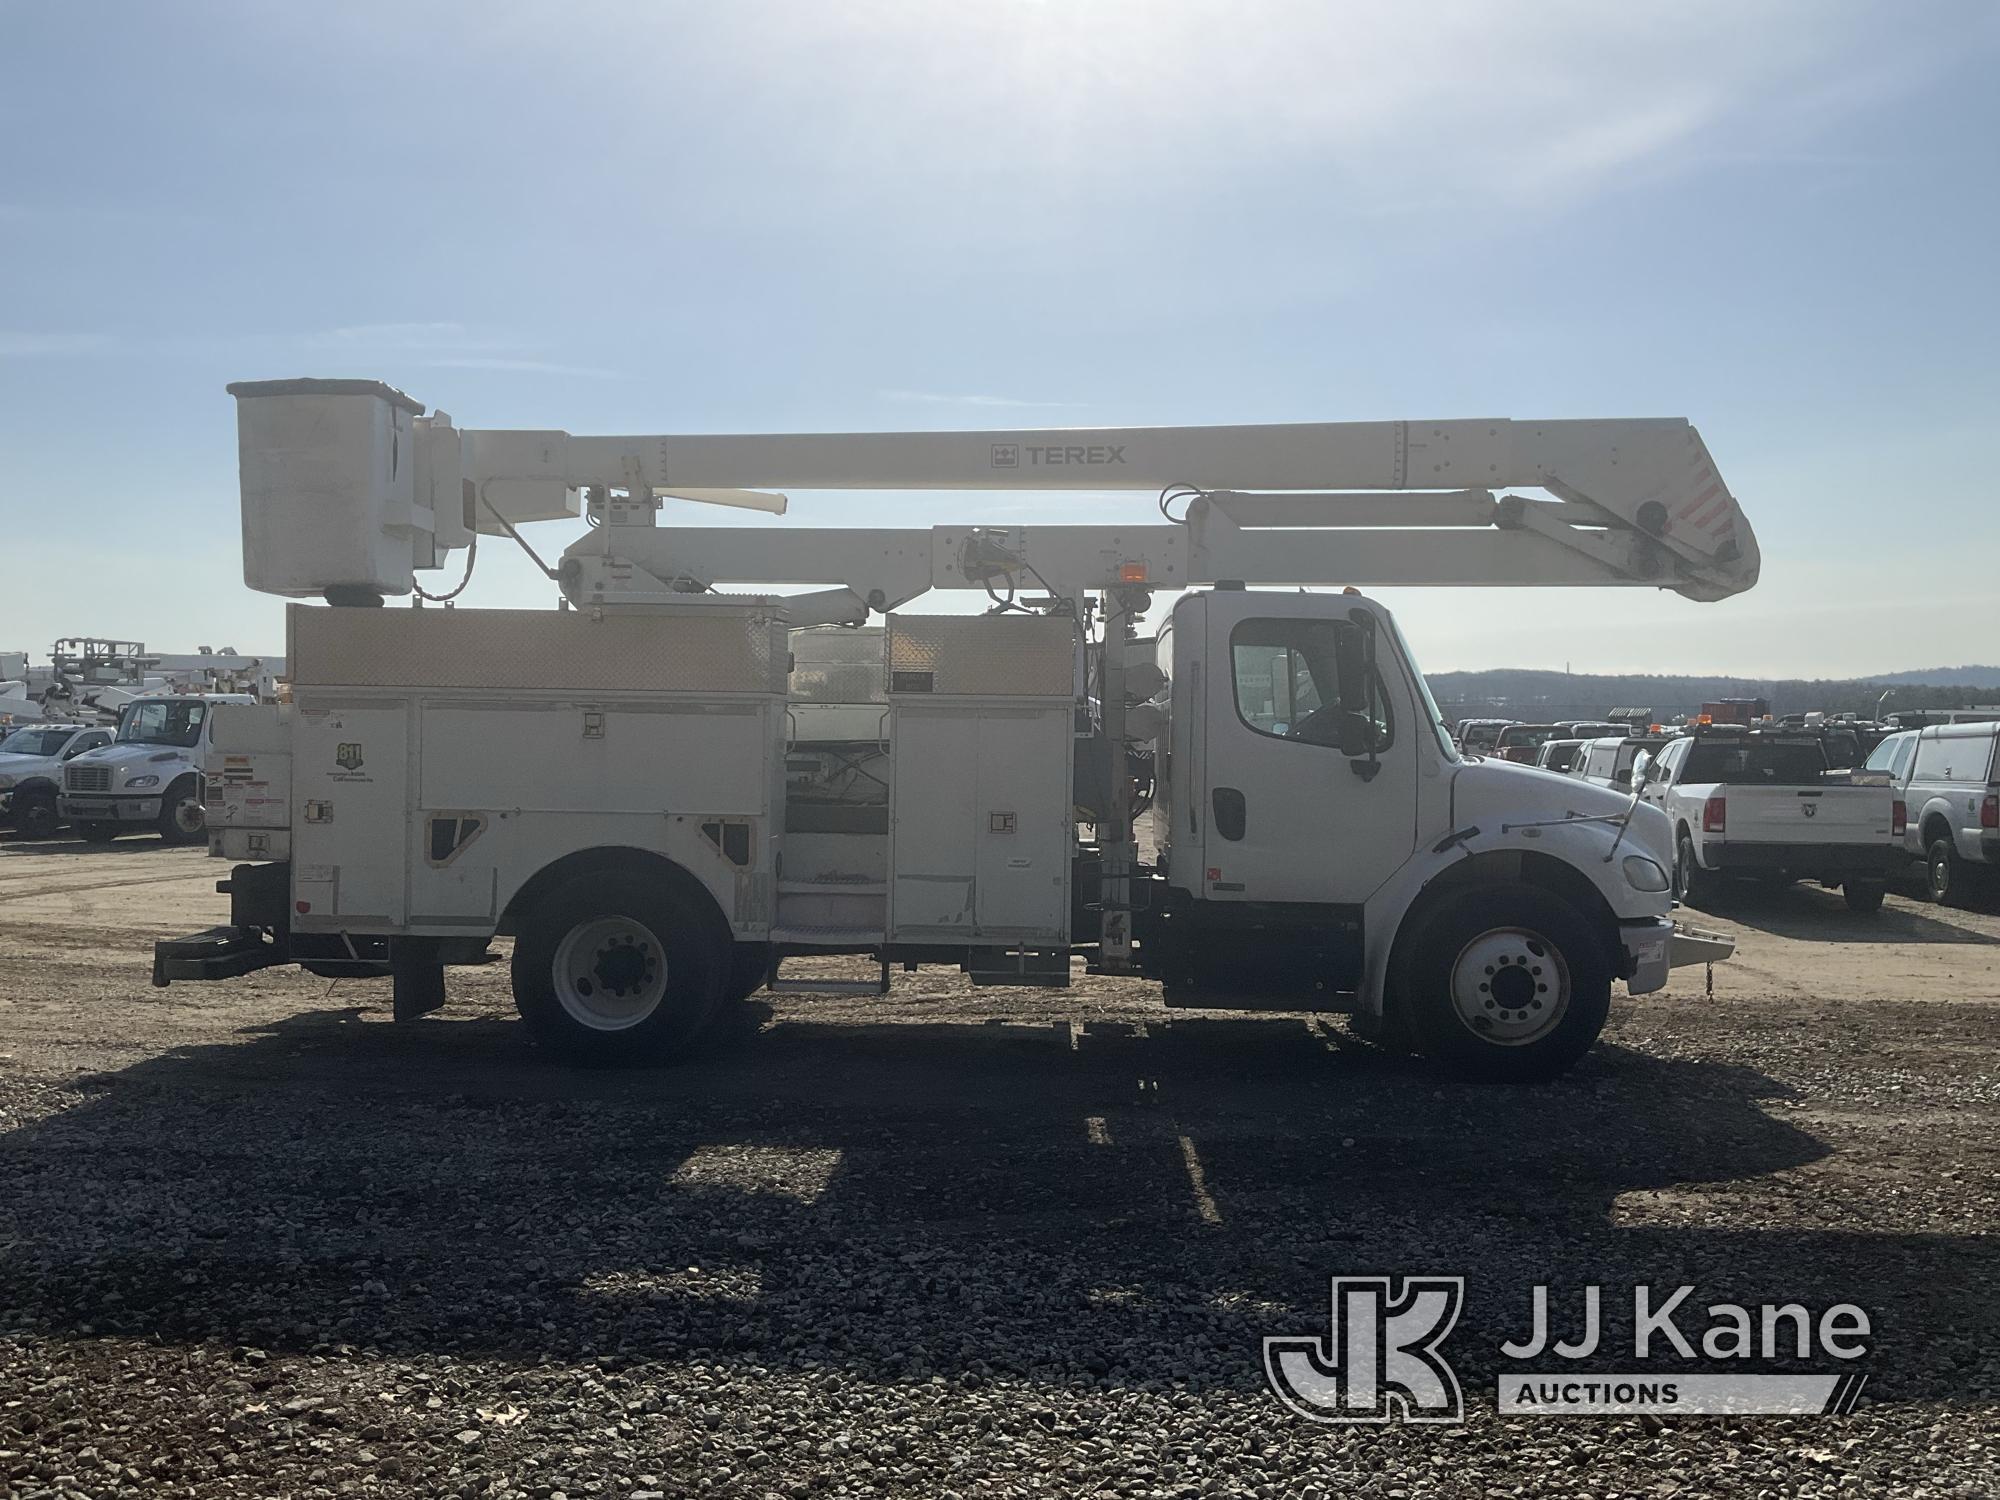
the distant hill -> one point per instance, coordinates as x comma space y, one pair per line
1515, 693
1944, 677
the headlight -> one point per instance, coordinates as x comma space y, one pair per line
139, 781
1642, 874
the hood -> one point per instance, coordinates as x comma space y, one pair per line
14, 765
130, 757
1486, 793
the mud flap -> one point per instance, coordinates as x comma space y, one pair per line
416, 976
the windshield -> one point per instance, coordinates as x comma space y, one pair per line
1424, 698
1526, 736
35, 741
162, 722
1755, 763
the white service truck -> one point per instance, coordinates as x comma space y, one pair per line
1766, 804
148, 779
626, 784
31, 766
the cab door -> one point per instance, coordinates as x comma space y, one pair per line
1309, 764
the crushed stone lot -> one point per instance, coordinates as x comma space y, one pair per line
255, 1240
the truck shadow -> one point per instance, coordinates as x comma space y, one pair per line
1821, 916
977, 1201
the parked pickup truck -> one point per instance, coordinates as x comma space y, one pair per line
31, 762
150, 777
1763, 804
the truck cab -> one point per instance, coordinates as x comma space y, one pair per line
148, 778
1324, 843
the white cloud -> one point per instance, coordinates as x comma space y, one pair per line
37, 345
945, 398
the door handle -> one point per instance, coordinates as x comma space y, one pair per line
1232, 813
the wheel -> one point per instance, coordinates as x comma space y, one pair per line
1693, 886
1506, 984
35, 814
1946, 870
613, 969
182, 818
749, 967
97, 833
1865, 895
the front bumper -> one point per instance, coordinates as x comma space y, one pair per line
1819, 861
1648, 945
1655, 945
106, 807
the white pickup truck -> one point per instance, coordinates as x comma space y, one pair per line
1752, 803
148, 779
31, 766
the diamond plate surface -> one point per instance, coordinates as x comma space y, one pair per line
1025, 656
837, 666
707, 651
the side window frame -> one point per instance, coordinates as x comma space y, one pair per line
1386, 725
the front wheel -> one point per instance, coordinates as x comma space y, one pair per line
1864, 895
35, 815
1506, 984
611, 970
182, 818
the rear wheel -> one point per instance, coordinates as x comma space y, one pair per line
609, 969
35, 814
1945, 870
182, 818
1864, 895
1693, 886
1506, 984
97, 833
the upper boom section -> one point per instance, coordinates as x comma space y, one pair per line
348, 486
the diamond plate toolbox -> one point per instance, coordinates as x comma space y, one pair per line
1005, 656
702, 649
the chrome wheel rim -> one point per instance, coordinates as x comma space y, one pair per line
610, 973
188, 816
1510, 986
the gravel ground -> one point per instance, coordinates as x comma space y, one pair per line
254, 1240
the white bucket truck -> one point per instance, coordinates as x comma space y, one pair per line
623, 786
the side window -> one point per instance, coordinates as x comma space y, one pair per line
1953, 757
1301, 679
1883, 756
1901, 765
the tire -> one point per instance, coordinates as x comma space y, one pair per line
35, 815
749, 967
1693, 886
1484, 947
1864, 895
183, 820
1944, 871
97, 833
615, 969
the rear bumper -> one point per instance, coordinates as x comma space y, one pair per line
1988, 848
1816, 860
103, 807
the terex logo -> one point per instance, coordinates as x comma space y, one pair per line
1381, 1357
1048, 456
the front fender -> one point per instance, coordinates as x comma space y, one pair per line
1541, 816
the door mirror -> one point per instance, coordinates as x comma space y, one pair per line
1355, 734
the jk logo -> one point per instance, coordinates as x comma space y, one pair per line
1379, 1360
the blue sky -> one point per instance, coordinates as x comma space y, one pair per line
1779, 220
